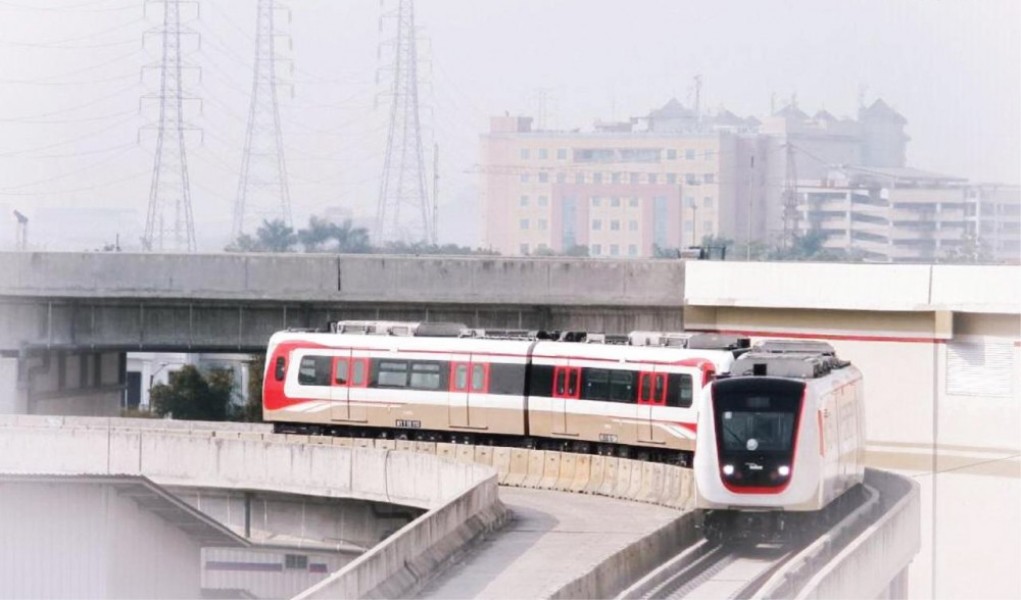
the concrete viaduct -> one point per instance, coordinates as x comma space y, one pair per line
67, 319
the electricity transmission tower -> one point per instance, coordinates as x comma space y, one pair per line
169, 224
262, 188
403, 212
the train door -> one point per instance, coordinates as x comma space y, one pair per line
350, 378
566, 390
469, 382
652, 390
340, 391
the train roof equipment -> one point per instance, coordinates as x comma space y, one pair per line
399, 328
780, 358
689, 340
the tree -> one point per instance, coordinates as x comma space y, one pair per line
190, 395
351, 239
315, 236
244, 243
275, 236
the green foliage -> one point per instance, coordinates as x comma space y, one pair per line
190, 395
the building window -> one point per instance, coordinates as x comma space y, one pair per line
689, 179
615, 225
652, 178
579, 178
632, 250
615, 202
561, 177
524, 154
523, 223
295, 561
671, 154
524, 178
614, 250
596, 201
708, 178
597, 224
707, 202
633, 202
615, 178
659, 221
561, 154
523, 249
632, 225
689, 201
689, 154
542, 224
708, 154
524, 201
635, 178
597, 249
597, 178
543, 154
543, 201
543, 177
671, 178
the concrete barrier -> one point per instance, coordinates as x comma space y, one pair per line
502, 463
880, 554
609, 483
461, 499
582, 473
536, 467
518, 472
568, 465
623, 483
550, 470
626, 566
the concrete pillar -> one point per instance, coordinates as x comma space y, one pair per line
13, 399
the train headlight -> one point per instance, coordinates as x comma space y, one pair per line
784, 470
728, 469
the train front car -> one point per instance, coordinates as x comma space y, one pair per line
779, 440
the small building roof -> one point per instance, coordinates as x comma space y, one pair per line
882, 110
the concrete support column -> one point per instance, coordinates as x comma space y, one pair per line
13, 398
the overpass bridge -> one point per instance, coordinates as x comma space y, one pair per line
610, 545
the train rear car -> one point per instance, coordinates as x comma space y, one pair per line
779, 440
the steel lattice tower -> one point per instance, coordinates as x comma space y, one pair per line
262, 188
403, 210
169, 194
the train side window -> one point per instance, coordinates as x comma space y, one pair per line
359, 372
679, 390
622, 386
280, 368
644, 388
340, 372
314, 370
540, 380
425, 376
597, 384
573, 382
392, 374
460, 377
479, 377
560, 382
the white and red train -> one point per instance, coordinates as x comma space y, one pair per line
495, 387
779, 440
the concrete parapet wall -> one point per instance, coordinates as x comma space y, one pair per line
875, 559
201, 457
350, 278
403, 563
617, 572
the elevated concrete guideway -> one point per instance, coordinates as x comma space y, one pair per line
188, 302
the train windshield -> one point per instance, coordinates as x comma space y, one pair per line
756, 421
757, 414
757, 430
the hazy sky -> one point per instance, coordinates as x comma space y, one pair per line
70, 90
